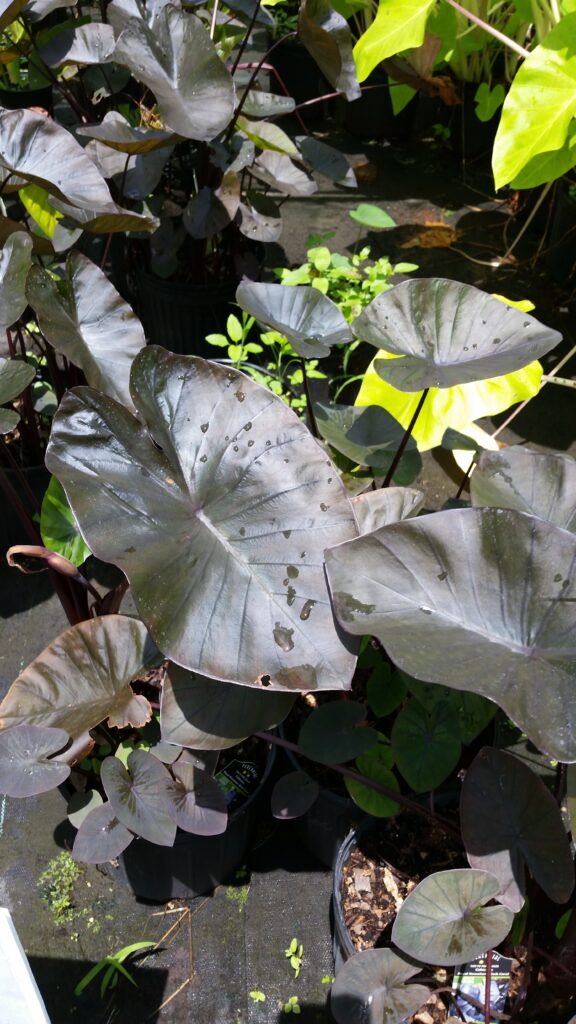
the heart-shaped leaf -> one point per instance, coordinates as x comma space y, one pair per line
371, 988
374, 509
15, 376
326, 160
445, 920
207, 714
498, 622
87, 44
15, 260
311, 321
58, 526
426, 745
136, 175
221, 508
26, 767
212, 210
199, 802
470, 711
376, 765
328, 38
87, 321
259, 218
371, 216
278, 171
267, 136
101, 837
83, 677
542, 484
117, 133
293, 795
509, 818
368, 436
175, 57
33, 148
140, 796
336, 732
447, 333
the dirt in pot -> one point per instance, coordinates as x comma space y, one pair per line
384, 866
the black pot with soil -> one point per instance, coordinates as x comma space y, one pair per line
197, 864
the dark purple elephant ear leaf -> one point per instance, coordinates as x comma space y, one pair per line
26, 767
199, 802
83, 677
101, 837
510, 819
140, 796
293, 795
371, 988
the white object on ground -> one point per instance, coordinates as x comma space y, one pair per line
20, 999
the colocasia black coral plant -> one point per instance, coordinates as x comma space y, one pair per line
254, 575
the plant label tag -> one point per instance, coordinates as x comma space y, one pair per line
470, 980
238, 779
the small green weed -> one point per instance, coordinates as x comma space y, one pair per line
294, 954
56, 886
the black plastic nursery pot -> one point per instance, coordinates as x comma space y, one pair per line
323, 828
179, 316
195, 864
561, 247
389, 842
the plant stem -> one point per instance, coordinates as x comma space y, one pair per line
311, 416
351, 773
244, 42
390, 474
511, 43
253, 77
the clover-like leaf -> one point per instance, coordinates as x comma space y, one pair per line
175, 57
371, 988
475, 599
293, 795
336, 732
15, 260
83, 677
446, 333
101, 836
510, 819
207, 714
445, 920
540, 483
140, 796
199, 803
86, 320
26, 767
311, 321
218, 510
374, 509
